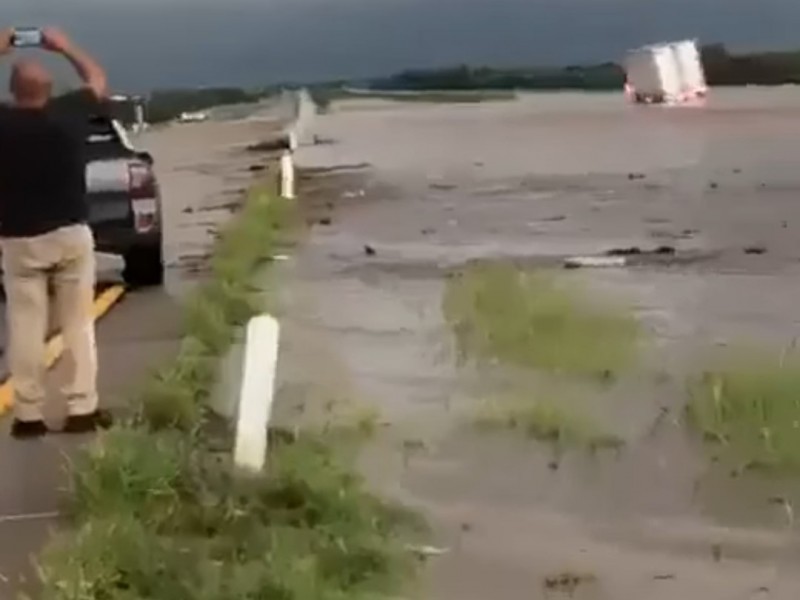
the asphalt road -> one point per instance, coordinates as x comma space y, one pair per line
203, 169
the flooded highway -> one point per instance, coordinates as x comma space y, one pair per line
533, 181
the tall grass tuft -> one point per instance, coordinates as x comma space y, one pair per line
749, 410
532, 319
546, 420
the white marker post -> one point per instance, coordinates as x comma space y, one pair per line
287, 176
256, 393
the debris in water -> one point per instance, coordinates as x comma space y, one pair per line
713, 185
369, 250
664, 577
634, 176
633, 250
716, 552
576, 262
554, 219
553, 465
737, 171
256, 168
358, 194
567, 582
636, 251
787, 507
188, 210
442, 186
755, 249
428, 231
784, 224
325, 221
466, 527
424, 552
762, 590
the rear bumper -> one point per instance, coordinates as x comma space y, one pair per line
119, 238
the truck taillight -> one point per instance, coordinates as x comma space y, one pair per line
141, 181
143, 194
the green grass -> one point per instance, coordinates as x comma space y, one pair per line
161, 520
547, 421
535, 320
157, 510
748, 411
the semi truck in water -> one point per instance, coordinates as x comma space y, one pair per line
667, 73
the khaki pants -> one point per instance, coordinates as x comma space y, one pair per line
61, 260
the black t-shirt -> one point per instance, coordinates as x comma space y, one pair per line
43, 166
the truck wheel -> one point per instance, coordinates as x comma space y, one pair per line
143, 266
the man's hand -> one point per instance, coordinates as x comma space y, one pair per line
55, 40
6, 40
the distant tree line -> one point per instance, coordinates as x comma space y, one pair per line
464, 77
722, 68
167, 104
764, 68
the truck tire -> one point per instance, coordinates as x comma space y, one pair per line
143, 266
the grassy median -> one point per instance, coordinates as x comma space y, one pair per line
158, 511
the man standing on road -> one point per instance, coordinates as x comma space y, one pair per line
44, 237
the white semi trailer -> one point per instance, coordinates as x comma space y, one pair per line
690, 64
669, 73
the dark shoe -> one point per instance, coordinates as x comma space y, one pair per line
25, 430
99, 419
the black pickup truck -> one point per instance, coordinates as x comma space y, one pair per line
124, 202
124, 198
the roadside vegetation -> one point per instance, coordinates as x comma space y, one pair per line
535, 320
748, 411
158, 511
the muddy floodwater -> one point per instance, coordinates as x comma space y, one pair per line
404, 193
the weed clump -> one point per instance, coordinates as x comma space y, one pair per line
532, 320
749, 411
547, 421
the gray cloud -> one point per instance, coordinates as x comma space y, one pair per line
151, 43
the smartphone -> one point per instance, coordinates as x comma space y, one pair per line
27, 37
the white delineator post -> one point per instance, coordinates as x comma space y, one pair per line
287, 175
256, 393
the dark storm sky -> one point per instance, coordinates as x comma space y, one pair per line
149, 43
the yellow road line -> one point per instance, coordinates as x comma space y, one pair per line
55, 345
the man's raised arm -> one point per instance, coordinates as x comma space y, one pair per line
92, 74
